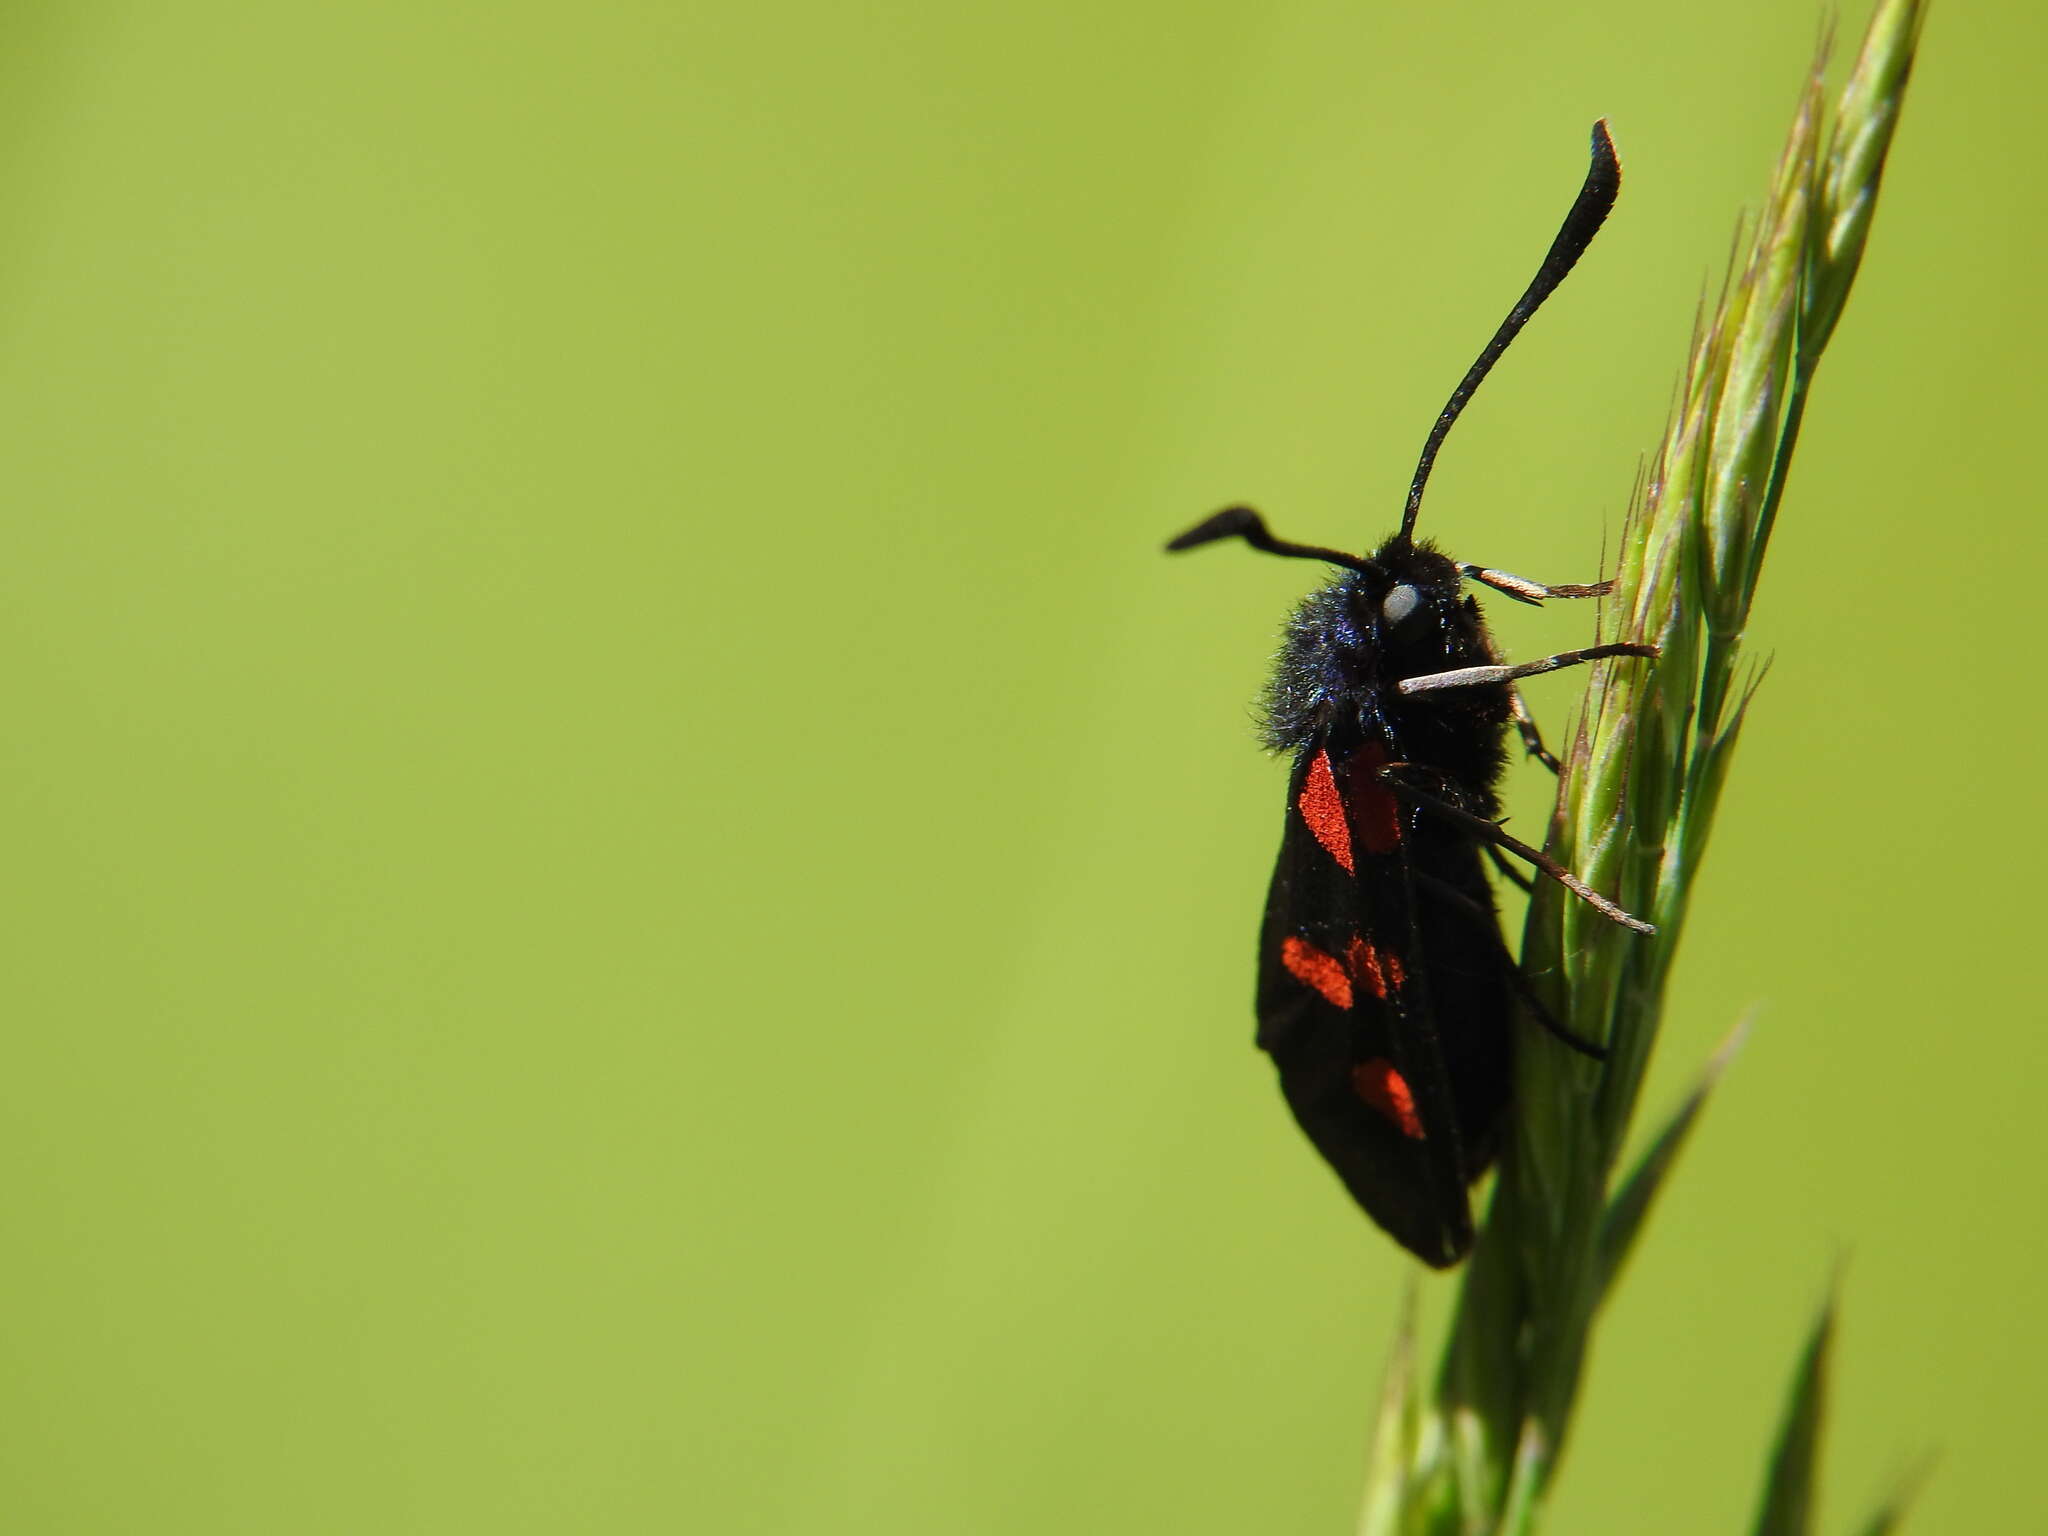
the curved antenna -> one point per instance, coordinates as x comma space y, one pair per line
1588, 213
1244, 523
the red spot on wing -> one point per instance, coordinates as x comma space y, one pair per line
1325, 973
1380, 969
1323, 809
1387, 1091
1374, 810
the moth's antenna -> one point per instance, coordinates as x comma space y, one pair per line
1588, 213
1244, 523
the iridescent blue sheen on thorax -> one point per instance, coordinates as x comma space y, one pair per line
1342, 657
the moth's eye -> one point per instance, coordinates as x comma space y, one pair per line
1399, 603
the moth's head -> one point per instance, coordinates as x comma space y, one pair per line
1405, 588
1399, 601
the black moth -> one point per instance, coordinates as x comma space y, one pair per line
1387, 995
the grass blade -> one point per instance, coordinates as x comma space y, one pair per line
1395, 1433
1888, 1515
1631, 1203
1789, 1493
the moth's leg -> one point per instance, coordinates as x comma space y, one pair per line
1489, 925
1514, 875
1519, 980
1532, 739
1473, 677
1479, 912
1491, 832
1523, 590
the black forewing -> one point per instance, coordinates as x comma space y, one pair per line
1345, 999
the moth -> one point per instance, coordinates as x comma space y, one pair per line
1387, 997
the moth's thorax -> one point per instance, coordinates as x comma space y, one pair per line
1406, 614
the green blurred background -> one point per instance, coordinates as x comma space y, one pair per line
632, 884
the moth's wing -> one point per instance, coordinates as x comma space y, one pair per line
1467, 979
1344, 1012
